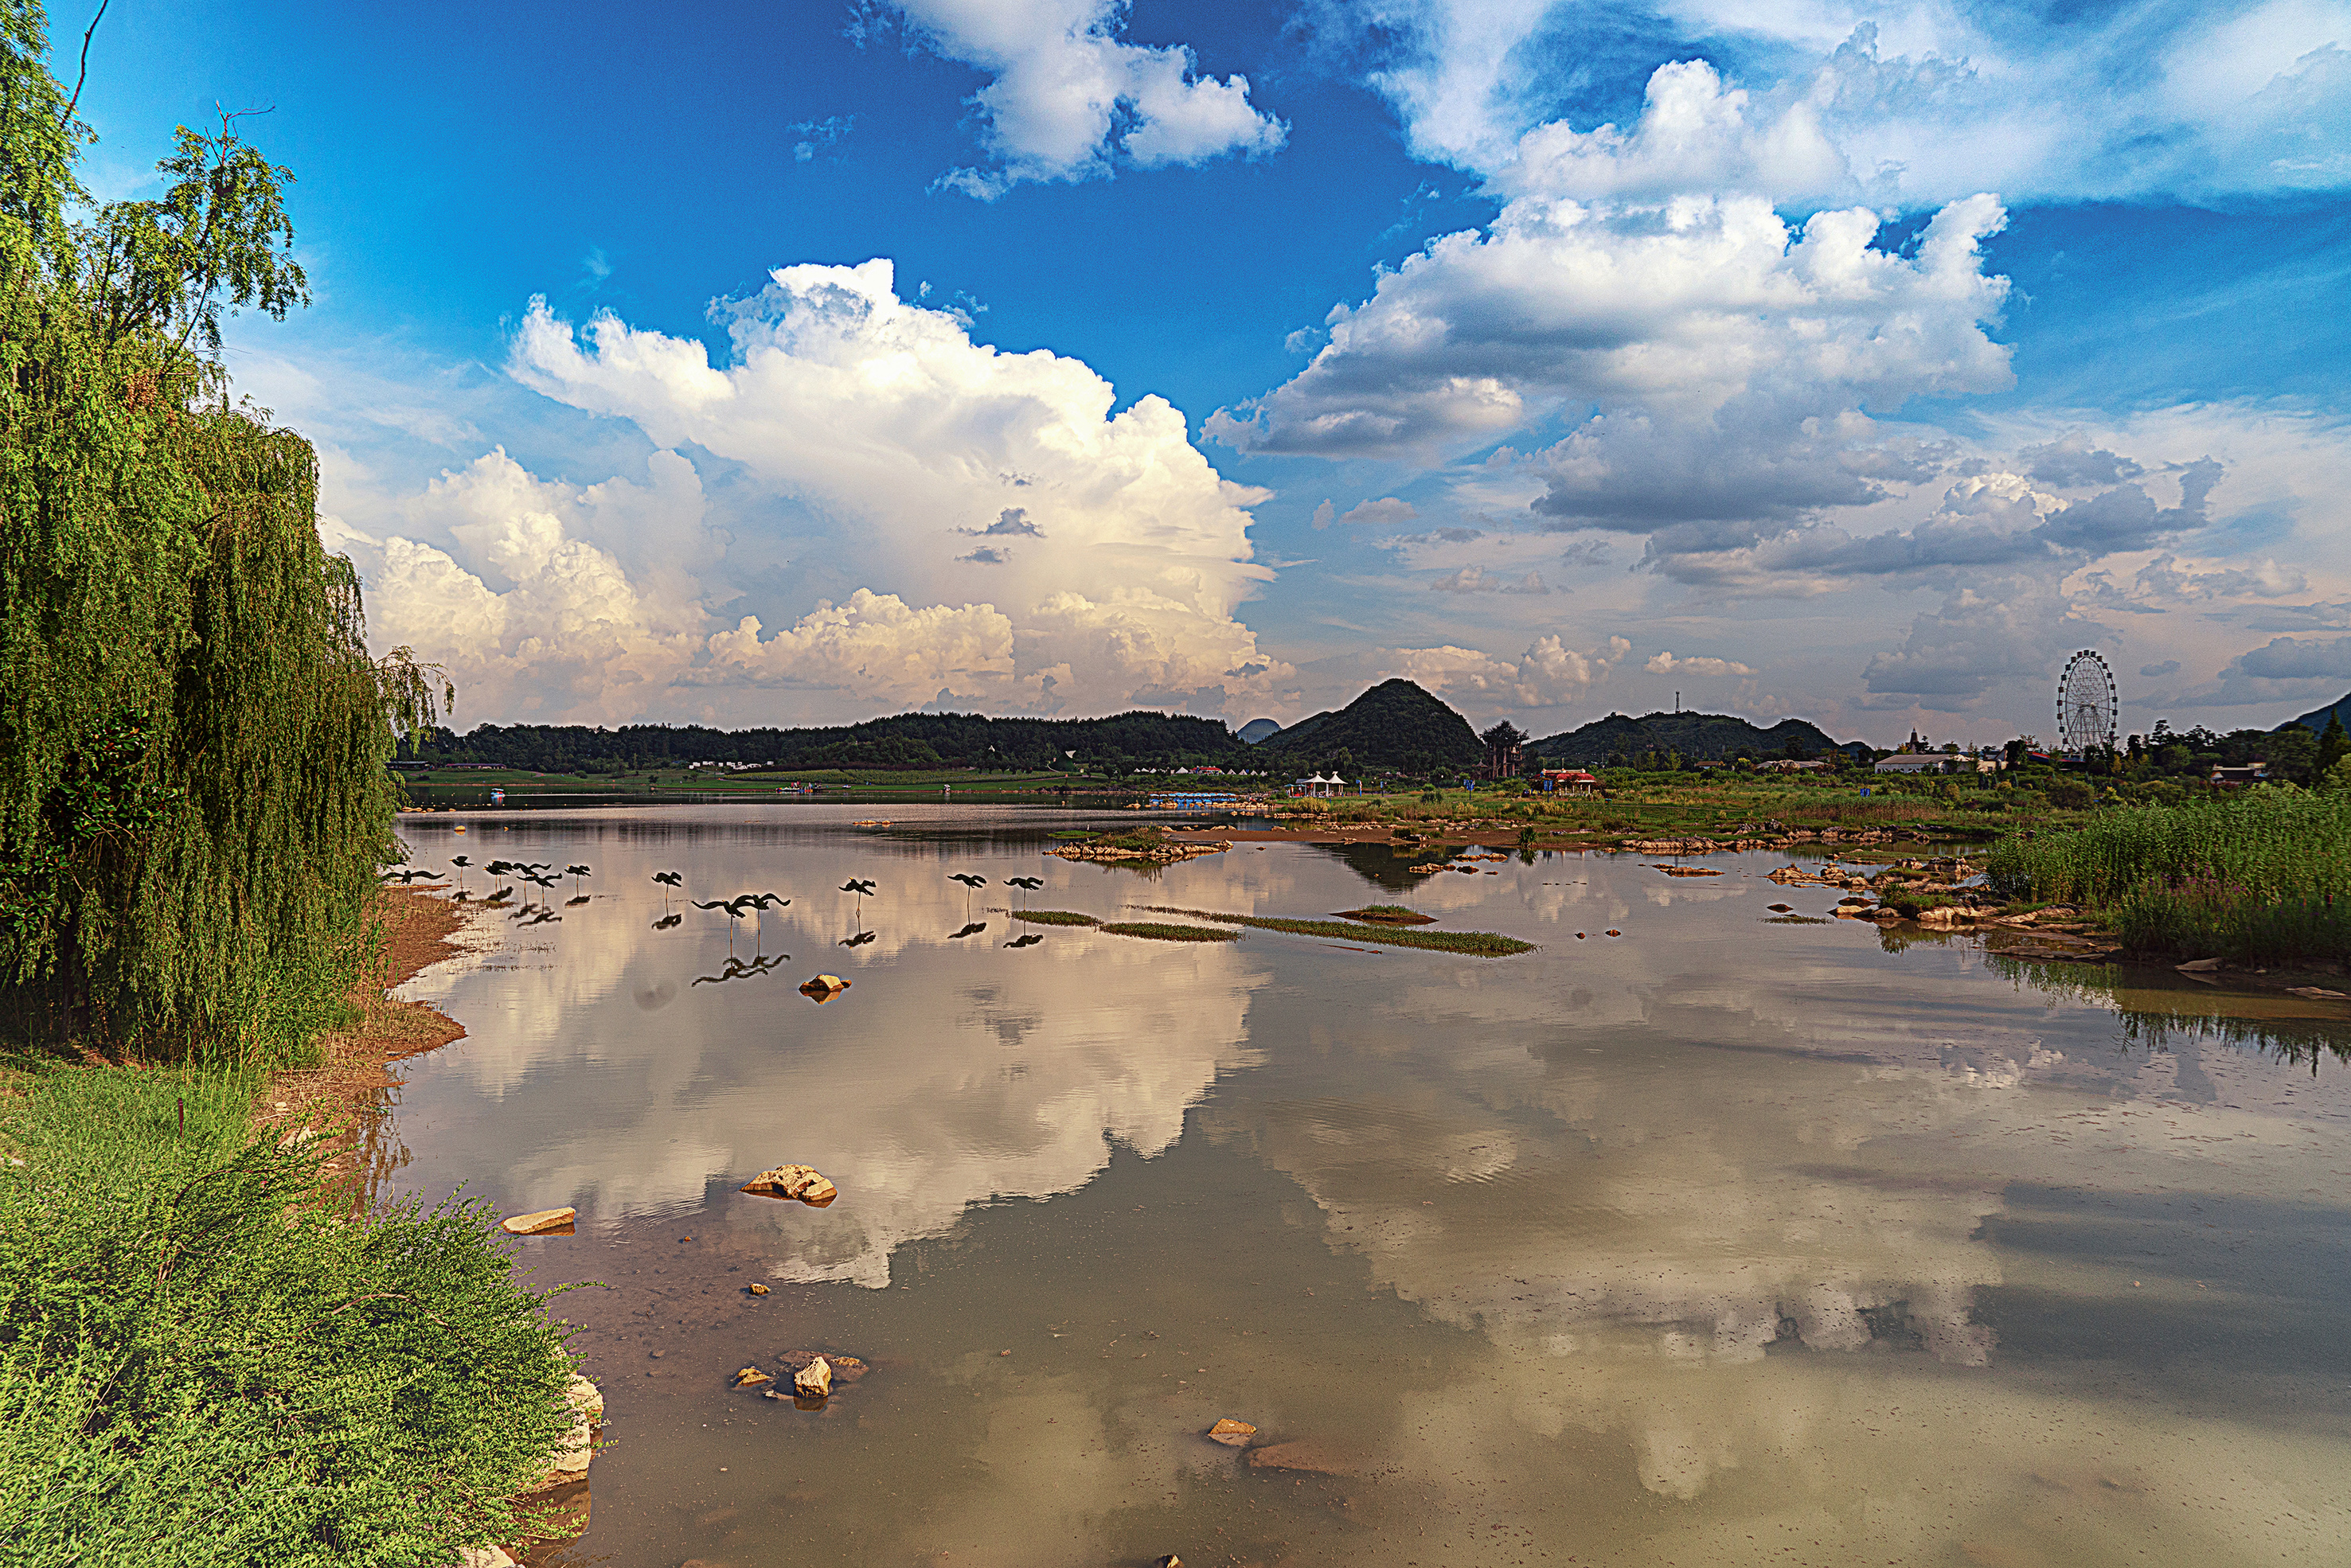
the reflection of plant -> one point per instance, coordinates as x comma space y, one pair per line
2153, 1015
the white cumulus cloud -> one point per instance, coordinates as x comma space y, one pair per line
1908, 105
1667, 664
865, 442
1069, 100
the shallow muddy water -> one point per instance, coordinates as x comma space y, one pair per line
1734, 1238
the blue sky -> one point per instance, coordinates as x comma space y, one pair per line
1853, 361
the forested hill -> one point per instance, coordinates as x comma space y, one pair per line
1394, 725
1697, 736
1139, 740
2316, 718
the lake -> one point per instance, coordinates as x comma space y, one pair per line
1736, 1238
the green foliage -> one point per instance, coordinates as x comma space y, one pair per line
2264, 875
2334, 745
2071, 793
1053, 916
205, 1362
192, 733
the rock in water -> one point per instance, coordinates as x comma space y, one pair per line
824, 988
576, 1447
1232, 1434
1307, 1456
751, 1377
801, 1182
540, 1224
813, 1381
1170, 1561
755, 1290
2198, 965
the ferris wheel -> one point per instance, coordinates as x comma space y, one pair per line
2086, 705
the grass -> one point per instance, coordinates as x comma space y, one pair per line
2261, 877
207, 1360
1162, 931
1477, 944
1388, 915
1054, 917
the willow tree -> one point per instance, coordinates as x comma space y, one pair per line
193, 802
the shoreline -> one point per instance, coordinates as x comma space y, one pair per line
341, 1098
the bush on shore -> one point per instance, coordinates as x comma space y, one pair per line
206, 1360
2261, 877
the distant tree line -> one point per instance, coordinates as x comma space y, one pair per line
1122, 743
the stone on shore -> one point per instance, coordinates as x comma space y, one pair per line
545, 1221
576, 1447
485, 1557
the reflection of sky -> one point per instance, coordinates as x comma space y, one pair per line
1796, 1237
602, 1075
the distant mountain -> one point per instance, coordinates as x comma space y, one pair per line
1697, 736
1394, 725
1256, 729
2316, 718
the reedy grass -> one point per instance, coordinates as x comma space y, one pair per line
1054, 917
1475, 944
2261, 877
1166, 931
206, 1360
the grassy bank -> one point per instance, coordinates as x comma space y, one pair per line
1476, 944
2260, 878
206, 1359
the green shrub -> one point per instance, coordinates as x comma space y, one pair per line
204, 1361
2264, 875
2071, 793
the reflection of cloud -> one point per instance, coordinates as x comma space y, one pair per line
949, 1073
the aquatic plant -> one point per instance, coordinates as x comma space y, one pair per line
1477, 944
1388, 915
1164, 931
2262, 876
1053, 916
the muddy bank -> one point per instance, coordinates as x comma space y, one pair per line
343, 1096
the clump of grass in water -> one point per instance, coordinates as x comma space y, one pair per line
1476, 944
1388, 915
1161, 931
197, 1346
2261, 877
1054, 917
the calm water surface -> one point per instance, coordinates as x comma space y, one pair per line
1733, 1239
